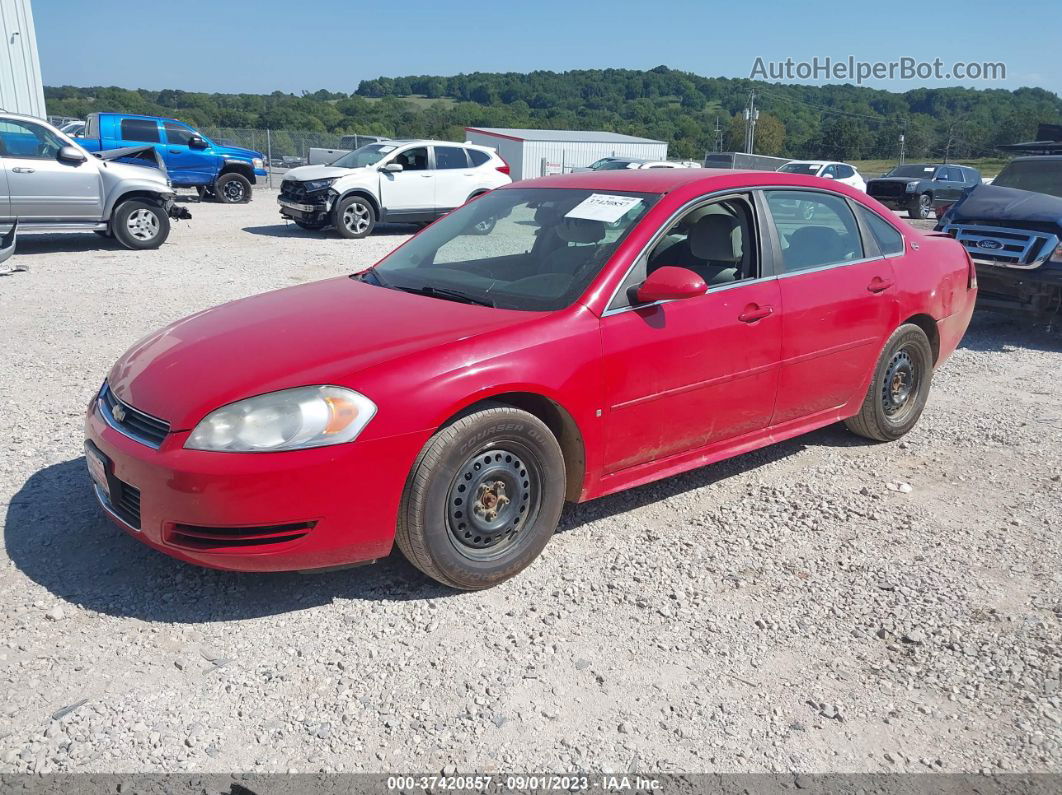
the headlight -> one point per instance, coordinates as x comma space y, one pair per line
911, 187
1056, 255
258, 162
291, 419
318, 184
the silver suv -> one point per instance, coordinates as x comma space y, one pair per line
50, 184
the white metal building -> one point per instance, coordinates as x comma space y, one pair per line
21, 89
535, 153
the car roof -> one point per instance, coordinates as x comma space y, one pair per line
665, 180
430, 142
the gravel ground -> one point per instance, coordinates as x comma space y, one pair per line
822, 605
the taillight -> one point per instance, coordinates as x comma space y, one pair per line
504, 167
971, 279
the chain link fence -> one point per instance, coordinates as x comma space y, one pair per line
283, 149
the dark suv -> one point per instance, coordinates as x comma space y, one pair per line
1012, 230
921, 188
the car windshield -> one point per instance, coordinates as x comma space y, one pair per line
1038, 176
610, 165
533, 249
801, 168
922, 171
366, 156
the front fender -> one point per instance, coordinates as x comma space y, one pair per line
130, 188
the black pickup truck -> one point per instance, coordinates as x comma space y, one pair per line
1012, 230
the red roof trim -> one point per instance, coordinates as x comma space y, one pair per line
495, 134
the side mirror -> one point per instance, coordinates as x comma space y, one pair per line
72, 155
392, 168
197, 142
670, 283
827, 176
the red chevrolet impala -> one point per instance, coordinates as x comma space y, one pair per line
559, 339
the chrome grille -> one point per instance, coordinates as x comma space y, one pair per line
130, 421
1006, 247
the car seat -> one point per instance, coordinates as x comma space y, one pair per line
810, 246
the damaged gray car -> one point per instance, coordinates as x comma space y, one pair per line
50, 184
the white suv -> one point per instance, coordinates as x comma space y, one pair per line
408, 182
827, 169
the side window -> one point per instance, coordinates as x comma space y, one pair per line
477, 157
145, 130
29, 140
716, 241
830, 171
450, 157
888, 239
814, 229
844, 172
177, 134
413, 159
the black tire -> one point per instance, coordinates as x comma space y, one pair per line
899, 389
354, 217
103, 232
921, 206
232, 189
470, 548
140, 224
312, 226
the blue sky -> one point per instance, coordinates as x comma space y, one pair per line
263, 45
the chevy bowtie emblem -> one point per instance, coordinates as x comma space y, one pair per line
118, 412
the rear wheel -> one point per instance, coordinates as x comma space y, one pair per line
899, 389
140, 224
921, 206
483, 498
233, 189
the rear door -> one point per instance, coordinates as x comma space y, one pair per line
838, 299
411, 190
186, 165
454, 177
5, 200
40, 188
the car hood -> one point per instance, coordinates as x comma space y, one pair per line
236, 151
997, 203
308, 173
321, 333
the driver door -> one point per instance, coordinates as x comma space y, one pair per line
40, 187
411, 190
187, 165
693, 373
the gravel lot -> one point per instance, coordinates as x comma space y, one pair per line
798, 608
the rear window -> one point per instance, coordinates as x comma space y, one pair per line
889, 240
478, 157
145, 130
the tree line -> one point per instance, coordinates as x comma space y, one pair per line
693, 114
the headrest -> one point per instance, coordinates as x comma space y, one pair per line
716, 238
580, 230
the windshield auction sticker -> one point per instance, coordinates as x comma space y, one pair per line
603, 207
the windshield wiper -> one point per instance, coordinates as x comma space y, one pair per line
448, 294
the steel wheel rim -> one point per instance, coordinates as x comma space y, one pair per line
493, 498
234, 189
356, 218
142, 224
899, 390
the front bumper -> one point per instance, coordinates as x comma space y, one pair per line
315, 207
345, 498
1028, 292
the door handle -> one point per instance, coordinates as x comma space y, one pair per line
175, 151
425, 176
879, 285
23, 170
754, 312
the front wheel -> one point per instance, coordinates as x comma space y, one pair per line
355, 217
233, 189
899, 389
483, 498
140, 224
920, 207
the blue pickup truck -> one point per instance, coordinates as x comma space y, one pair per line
225, 173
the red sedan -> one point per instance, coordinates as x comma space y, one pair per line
559, 339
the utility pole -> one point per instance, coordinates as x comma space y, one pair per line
903, 141
751, 115
718, 136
